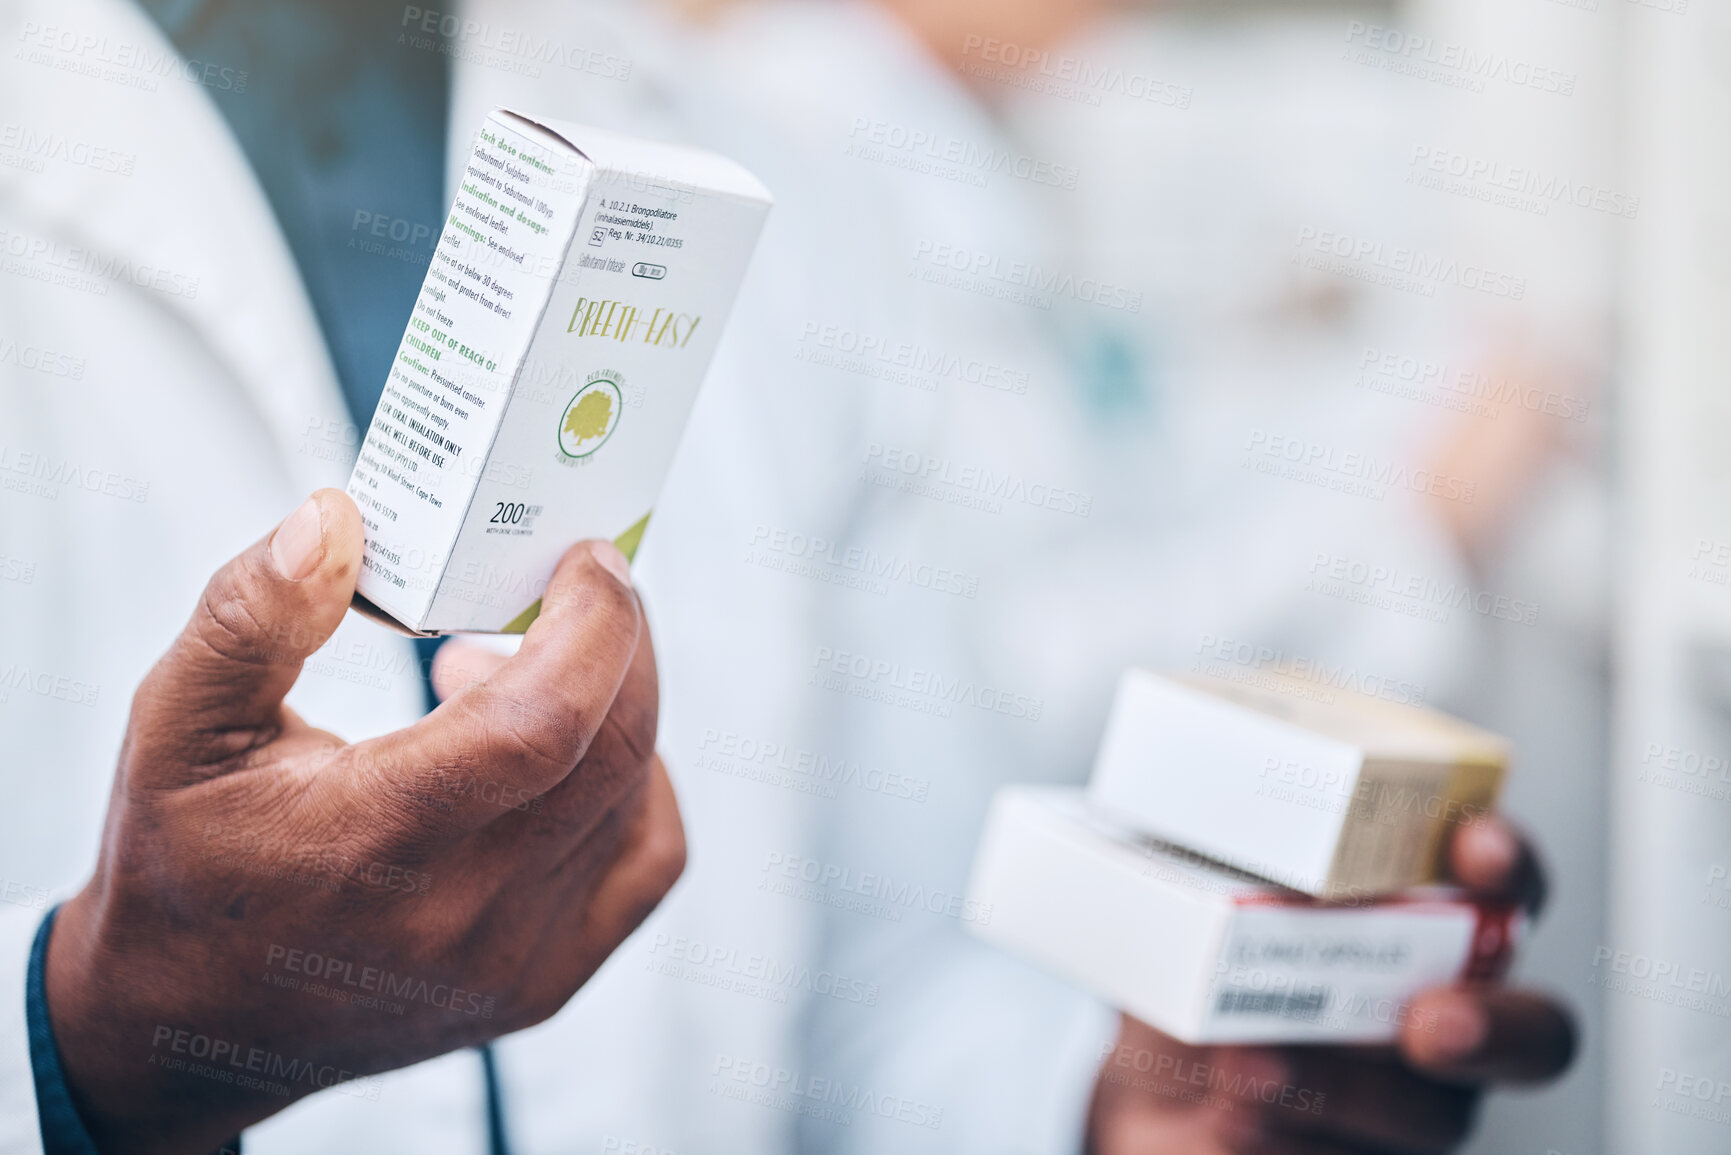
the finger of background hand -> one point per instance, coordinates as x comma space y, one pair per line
1490, 856
459, 665
1470, 1035
1366, 1097
520, 732
264, 613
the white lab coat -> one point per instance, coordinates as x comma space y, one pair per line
186, 411
221, 401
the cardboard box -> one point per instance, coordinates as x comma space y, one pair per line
567, 319
1341, 799
1206, 954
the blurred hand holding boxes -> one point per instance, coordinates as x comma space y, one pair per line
1154, 890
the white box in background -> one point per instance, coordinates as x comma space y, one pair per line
567, 319
1340, 799
1205, 954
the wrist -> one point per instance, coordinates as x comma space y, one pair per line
100, 1016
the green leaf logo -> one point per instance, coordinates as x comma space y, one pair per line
590, 419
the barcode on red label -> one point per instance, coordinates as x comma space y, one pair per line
1306, 1006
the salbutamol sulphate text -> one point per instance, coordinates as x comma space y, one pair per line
567, 319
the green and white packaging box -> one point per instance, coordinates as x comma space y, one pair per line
568, 317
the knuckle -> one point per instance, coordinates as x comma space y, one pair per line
652, 864
665, 854
541, 739
639, 723
636, 743
525, 740
229, 627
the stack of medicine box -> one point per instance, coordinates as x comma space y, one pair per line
1252, 865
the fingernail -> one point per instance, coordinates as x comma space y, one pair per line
1460, 1028
612, 560
298, 542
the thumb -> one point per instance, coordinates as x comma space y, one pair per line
218, 691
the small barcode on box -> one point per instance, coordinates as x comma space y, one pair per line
1306, 1006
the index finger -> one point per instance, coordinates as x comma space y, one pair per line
522, 730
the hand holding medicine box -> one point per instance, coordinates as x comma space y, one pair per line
1190, 884
1340, 799
1210, 955
568, 316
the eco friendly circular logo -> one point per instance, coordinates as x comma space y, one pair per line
591, 418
